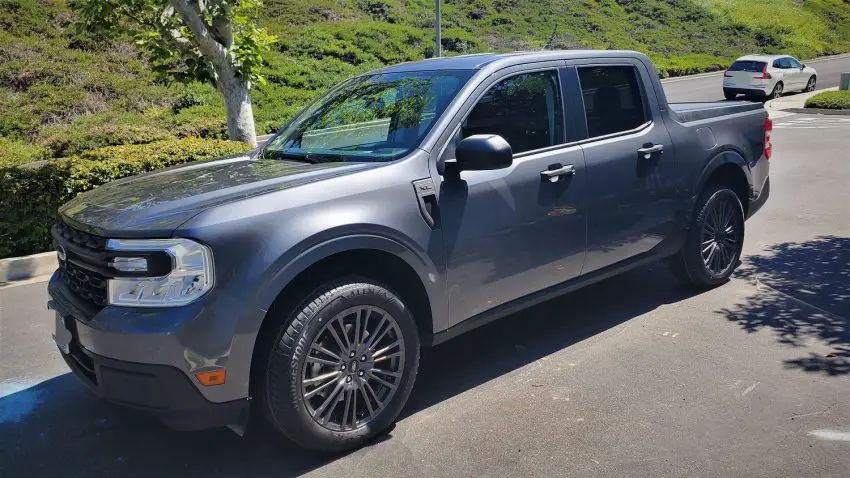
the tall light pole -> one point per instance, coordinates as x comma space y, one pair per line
438, 51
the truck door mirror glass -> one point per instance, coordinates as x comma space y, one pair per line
482, 152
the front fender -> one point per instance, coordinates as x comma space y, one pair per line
310, 252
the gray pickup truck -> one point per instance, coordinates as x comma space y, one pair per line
402, 208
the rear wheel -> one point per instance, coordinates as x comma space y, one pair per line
777, 91
712, 248
341, 366
812, 83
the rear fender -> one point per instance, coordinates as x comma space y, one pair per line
727, 155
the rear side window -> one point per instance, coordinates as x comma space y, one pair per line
612, 99
783, 63
524, 109
751, 66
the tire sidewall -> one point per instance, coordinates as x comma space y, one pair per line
777, 90
285, 402
693, 256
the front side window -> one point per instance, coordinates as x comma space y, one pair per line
612, 99
369, 118
794, 63
525, 110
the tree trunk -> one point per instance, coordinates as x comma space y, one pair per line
237, 103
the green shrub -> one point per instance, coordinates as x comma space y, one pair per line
30, 197
830, 100
72, 139
15, 153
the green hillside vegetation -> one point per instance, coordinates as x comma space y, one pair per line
62, 92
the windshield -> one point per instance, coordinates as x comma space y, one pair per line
369, 118
746, 65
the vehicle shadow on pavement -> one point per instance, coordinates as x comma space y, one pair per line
57, 428
804, 296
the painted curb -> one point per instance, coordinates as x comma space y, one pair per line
27, 267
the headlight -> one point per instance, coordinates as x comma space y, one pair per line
190, 276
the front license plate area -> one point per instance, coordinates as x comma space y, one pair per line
62, 334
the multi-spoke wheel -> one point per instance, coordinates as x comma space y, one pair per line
719, 240
714, 240
339, 367
353, 368
811, 84
777, 91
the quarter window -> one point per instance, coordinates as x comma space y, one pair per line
612, 99
525, 110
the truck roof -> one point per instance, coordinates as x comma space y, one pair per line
480, 60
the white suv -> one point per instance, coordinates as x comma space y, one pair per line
767, 76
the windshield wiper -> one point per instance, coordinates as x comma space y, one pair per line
311, 158
304, 158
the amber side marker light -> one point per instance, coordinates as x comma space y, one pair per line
212, 377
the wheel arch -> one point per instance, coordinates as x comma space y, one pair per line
728, 168
375, 257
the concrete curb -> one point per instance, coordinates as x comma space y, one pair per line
27, 267
818, 111
794, 101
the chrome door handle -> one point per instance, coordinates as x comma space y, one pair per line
648, 151
552, 175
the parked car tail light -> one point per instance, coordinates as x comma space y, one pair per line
768, 145
764, 74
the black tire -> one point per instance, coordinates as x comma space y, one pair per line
777, 91
811, 84
689, 264
290, 340
730, 96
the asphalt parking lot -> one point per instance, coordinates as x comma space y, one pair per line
633, 376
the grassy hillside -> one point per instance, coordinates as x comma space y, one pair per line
62, 93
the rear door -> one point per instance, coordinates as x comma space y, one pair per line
800, 78
630, 163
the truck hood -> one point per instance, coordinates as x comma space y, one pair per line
156, 203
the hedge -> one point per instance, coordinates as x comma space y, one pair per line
15, 153
30, 197
830, 100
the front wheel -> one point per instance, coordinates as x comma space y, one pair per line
714, 240
810, 86
340, 366
729, 95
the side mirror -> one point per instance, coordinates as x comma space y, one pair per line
803, 66
482, 152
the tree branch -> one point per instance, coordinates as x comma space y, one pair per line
214, 51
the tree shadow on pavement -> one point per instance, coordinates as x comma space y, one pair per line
804, 297
57, 428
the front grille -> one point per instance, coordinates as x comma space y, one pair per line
87, 285
80, 238
85, 257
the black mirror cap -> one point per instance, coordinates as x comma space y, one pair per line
482, 152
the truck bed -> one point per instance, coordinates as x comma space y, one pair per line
687, 112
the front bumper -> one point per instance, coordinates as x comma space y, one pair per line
146, 358
159, 389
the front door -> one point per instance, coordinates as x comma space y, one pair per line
514, 231
630, 165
